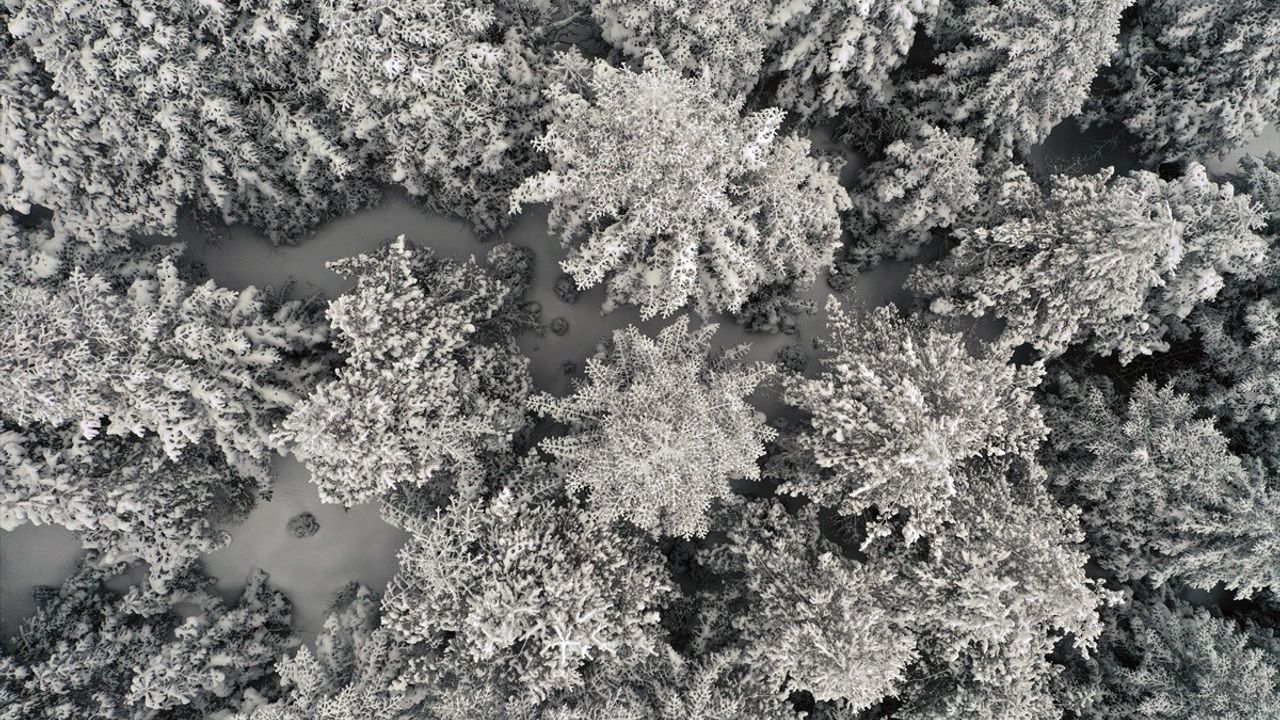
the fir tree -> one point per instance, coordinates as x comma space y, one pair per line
666, 192
659, 428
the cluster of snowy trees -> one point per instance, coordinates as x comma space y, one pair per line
1078, 519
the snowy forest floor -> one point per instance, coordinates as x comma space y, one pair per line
356, 544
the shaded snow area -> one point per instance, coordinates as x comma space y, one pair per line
351, 545
30, 556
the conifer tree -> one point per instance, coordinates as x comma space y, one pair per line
1011, 71
1193, 79
1161, 658
515, 595
666, 193
88, 652
121, 116
445, 97
1163, 496
124, 497
659, 428
926, 182
836, 56
432, 385
127, 346
900, 406
1111, 263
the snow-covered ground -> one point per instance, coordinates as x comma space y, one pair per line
352, 544
355, 544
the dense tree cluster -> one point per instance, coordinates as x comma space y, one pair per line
1236, 372
1079, 519
140, 407
1011, 71
122, 115
957, 630
356, 670
276, 113
1162, 493
133, 347
720, 41
1106, 261
1192, 80
445, 95
1164, 658
89, 652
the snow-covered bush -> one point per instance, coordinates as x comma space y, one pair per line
1163, 496
1162, 658
432, 380
90, 653
659, 428
926, 182
1110, 263
122, 115
124, 497
774, 309
666, 191
1194, 79
136, 349
446, 95
520, 592
900, 405
1011, 71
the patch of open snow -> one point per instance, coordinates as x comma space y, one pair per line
352, 544
30, 556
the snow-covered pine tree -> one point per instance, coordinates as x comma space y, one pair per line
123, 496
1111, 263
668, 194
91, 653
1161, 658
899, 408
1013, 70
128, 346
1162, 495
432, 383
1194, 79
122, 115
659, 428
445, 96
924, 183
518, 594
